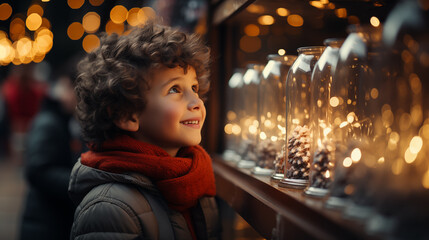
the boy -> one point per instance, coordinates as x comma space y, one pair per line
140, 109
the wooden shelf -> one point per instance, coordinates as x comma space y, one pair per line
279, 213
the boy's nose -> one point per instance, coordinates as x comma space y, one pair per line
195, 103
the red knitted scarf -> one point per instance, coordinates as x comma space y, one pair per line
182, 180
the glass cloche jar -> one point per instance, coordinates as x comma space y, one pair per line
249, 122
298, 104
358, 136
271, 113
234, 104
401, 209
323, 145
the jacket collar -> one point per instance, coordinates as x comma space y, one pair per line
84, 178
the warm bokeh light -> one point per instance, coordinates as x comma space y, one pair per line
35, 8
38, 58
236, 130
75, 31
250, 44
417, 114
281, 52
45, 23
5, 11
96, 3
133, 17
409, 156
251, 30
295, 20
282, 12
17, 28
374, 21
374, 93
45, 0
424, 131
118, 14
91, 22
356, 155
43, 43
349, 189
228, 128
425, 180
416, 144
387, 117
7, 53
43, 40
343, 124
353, 20
268, 123
341, 12
415, 83
230, 115
23, 47
347, 162
112, 27
351, 117
317, 4
254, 8
149, 14
322, 4
90, 42
327, 174
266, 20
44, 31
16, 61
33, 22
75, 4
253, 129
334, 101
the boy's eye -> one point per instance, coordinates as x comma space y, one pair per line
195, 88
174, 89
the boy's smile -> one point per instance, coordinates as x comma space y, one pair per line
193, 123
174, 113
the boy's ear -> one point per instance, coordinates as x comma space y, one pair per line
130, 124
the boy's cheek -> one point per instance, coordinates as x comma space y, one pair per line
173, 113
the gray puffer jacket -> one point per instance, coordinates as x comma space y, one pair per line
110, 206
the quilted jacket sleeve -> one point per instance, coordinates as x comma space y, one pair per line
108, 219
114, 211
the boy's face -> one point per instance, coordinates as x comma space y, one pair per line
174, 113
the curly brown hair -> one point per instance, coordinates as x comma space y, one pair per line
113, 78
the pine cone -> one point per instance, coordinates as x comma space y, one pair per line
299, 153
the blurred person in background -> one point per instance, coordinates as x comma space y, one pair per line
53, 146
4, 129
22, 96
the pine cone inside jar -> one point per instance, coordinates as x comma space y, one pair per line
267, 151
299, 153
247, 150
279, 162
321, 160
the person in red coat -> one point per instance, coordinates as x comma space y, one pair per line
22, 96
